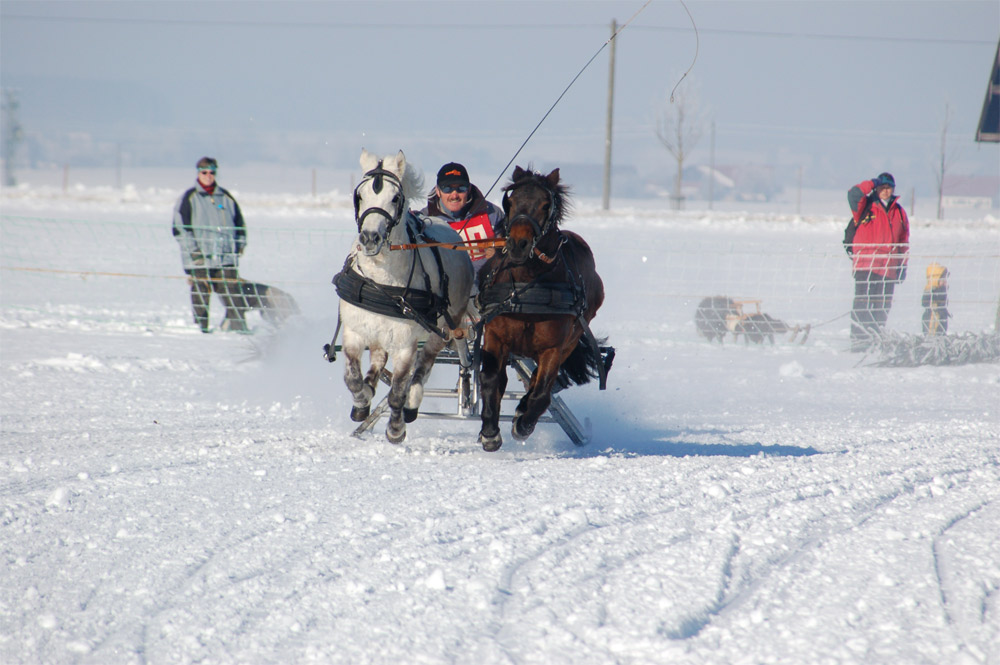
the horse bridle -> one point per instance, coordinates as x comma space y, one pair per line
540, 229
377, 176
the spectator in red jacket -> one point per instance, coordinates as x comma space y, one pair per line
878, 242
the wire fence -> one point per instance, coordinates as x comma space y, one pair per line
656, 271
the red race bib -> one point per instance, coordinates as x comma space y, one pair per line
475, 228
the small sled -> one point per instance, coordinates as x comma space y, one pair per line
274, 305
718, 315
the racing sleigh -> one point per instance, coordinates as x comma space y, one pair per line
464, 351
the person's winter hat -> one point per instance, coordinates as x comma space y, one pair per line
885, 179
208, 164
452, 173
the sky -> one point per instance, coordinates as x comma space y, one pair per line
840, 90
173, 497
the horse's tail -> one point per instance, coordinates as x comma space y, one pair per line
582, 365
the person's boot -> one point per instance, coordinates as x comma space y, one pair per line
202, 323
862, 340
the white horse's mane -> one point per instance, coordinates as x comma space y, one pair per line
413, 186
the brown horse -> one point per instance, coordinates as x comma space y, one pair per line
536, 298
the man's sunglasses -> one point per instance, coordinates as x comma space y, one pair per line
204, 171
448, 189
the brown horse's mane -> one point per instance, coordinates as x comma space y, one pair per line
562, 204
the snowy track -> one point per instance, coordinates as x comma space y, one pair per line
170, 497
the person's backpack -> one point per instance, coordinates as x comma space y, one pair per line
849, 232
852, 227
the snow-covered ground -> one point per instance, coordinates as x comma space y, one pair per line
173, 497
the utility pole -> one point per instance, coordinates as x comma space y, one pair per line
711, 166
606, 200
798, 196
944, 165
12, 135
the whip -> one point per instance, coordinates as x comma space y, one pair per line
592, 58
471, 245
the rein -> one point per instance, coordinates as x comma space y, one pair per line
474, 245
465, 245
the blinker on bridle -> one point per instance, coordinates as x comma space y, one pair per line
377, 177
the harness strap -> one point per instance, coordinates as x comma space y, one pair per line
414, 235
542, 298
529, 298
422, 307
330, 350
545, 258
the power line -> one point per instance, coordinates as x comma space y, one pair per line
808, 35
484, 26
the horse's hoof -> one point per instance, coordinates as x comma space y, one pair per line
491, 444
521, 430
395, 437
409, 415
359, 413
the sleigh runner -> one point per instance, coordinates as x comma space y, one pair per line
466, 401
464, 397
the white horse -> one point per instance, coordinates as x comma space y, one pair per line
392, 300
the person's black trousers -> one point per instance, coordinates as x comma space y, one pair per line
226, 283
872, 302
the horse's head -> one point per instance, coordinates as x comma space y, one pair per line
534, 205
380, 199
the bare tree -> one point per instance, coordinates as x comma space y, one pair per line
679, 128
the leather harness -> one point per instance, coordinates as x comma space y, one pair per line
422, 306
542, 297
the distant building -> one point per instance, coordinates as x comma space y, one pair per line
971, 192
747, 182
588, 179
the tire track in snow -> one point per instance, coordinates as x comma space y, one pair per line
938, 558
693, 624
508, 580
726, 604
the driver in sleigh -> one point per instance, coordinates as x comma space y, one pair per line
459, 203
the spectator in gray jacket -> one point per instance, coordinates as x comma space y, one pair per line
208, 226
